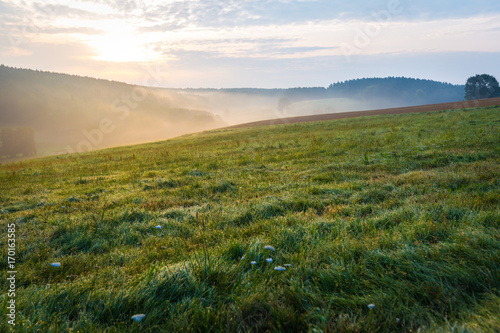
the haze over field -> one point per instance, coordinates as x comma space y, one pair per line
70, 113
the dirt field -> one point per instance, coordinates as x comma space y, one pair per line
410, 109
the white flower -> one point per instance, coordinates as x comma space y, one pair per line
243, 258
158, 227
55, 264
279, 268
138, 317
269, 247
371, 306
269, 259
253, 262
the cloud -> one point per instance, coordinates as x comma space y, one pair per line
238, 13
53, 11
125, 6
313, 39
71, 30
448, 9
6, 8
264, 37
244, 48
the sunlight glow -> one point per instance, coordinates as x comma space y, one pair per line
120, 43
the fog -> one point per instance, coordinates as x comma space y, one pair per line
236, 107
74, 114
70, 114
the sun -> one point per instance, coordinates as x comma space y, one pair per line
120, 43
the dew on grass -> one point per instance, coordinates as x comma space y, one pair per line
269, 247
55, 264
279, 268
269, 259
243, 258
138, 317
371, 306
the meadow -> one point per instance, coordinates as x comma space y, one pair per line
380, 224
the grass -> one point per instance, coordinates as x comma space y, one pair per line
397, 211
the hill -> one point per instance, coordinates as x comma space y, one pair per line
372, 93
398, 91
71, 113
383, 223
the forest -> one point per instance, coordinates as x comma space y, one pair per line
385, 92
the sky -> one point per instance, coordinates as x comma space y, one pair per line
252, 43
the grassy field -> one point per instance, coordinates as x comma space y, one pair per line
398, 211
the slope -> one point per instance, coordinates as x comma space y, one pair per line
71, 113
399, 212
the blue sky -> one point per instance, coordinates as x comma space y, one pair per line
249, 43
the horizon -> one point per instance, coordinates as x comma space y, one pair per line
228, 88
256, 44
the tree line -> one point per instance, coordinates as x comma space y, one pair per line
396, 91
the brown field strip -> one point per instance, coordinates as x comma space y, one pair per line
410, 109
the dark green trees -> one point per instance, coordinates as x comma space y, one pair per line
481, 86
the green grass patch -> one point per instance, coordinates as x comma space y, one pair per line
398, 211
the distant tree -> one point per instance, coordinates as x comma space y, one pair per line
481, 86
